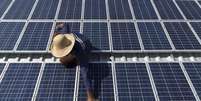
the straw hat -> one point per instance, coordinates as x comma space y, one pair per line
62, 45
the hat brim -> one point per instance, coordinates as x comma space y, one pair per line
65, 51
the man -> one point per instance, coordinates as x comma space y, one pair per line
72, 49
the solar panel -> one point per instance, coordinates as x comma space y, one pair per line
45, 9
194, 71
2, 65
143, 9
197, 27
3, 6
9, 33
36, 36
116, 28
167, 9
124, 36
70, 9
102, 82
190, 9
170, 82
98, 13
20, 9
153, 36
97, 33
133, 82
57, 83
119, 9
182, 36
19, 82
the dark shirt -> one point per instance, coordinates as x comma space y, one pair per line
81, 50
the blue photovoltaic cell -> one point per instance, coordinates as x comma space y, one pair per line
190, 9
36, 36
70, 9
119, 9
170, 82
167, 9
199, 2
57, 83
45, 9
3, 6
194, 71
133, 82
143, 9
2, 65
197, 27
97, 33
19, 82
9, 33
153, 36
124, 36
95, 9
20, 9
102, 82
182, 36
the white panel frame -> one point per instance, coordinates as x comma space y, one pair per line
163, 26
152, 82
4, 71
189, 81
8, 8
34, 96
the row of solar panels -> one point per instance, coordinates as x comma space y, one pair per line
118, 9
124, 36
123, 81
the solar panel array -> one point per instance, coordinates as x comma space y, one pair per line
123, 81
114, 26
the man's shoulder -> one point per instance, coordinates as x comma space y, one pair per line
81, 36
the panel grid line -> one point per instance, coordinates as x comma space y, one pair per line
82, 16
38, 82
51, 37
33, 9
195, 34
8, 8
189, 81
135, 24
114, 79
168, 36
163, 26
20, 37
131, 9
96, 20
109, 26
58, 10
107, 10
155, 9
152, 81
197, 3
179, 9
110, 36
4, 71
139, 36
77, 80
